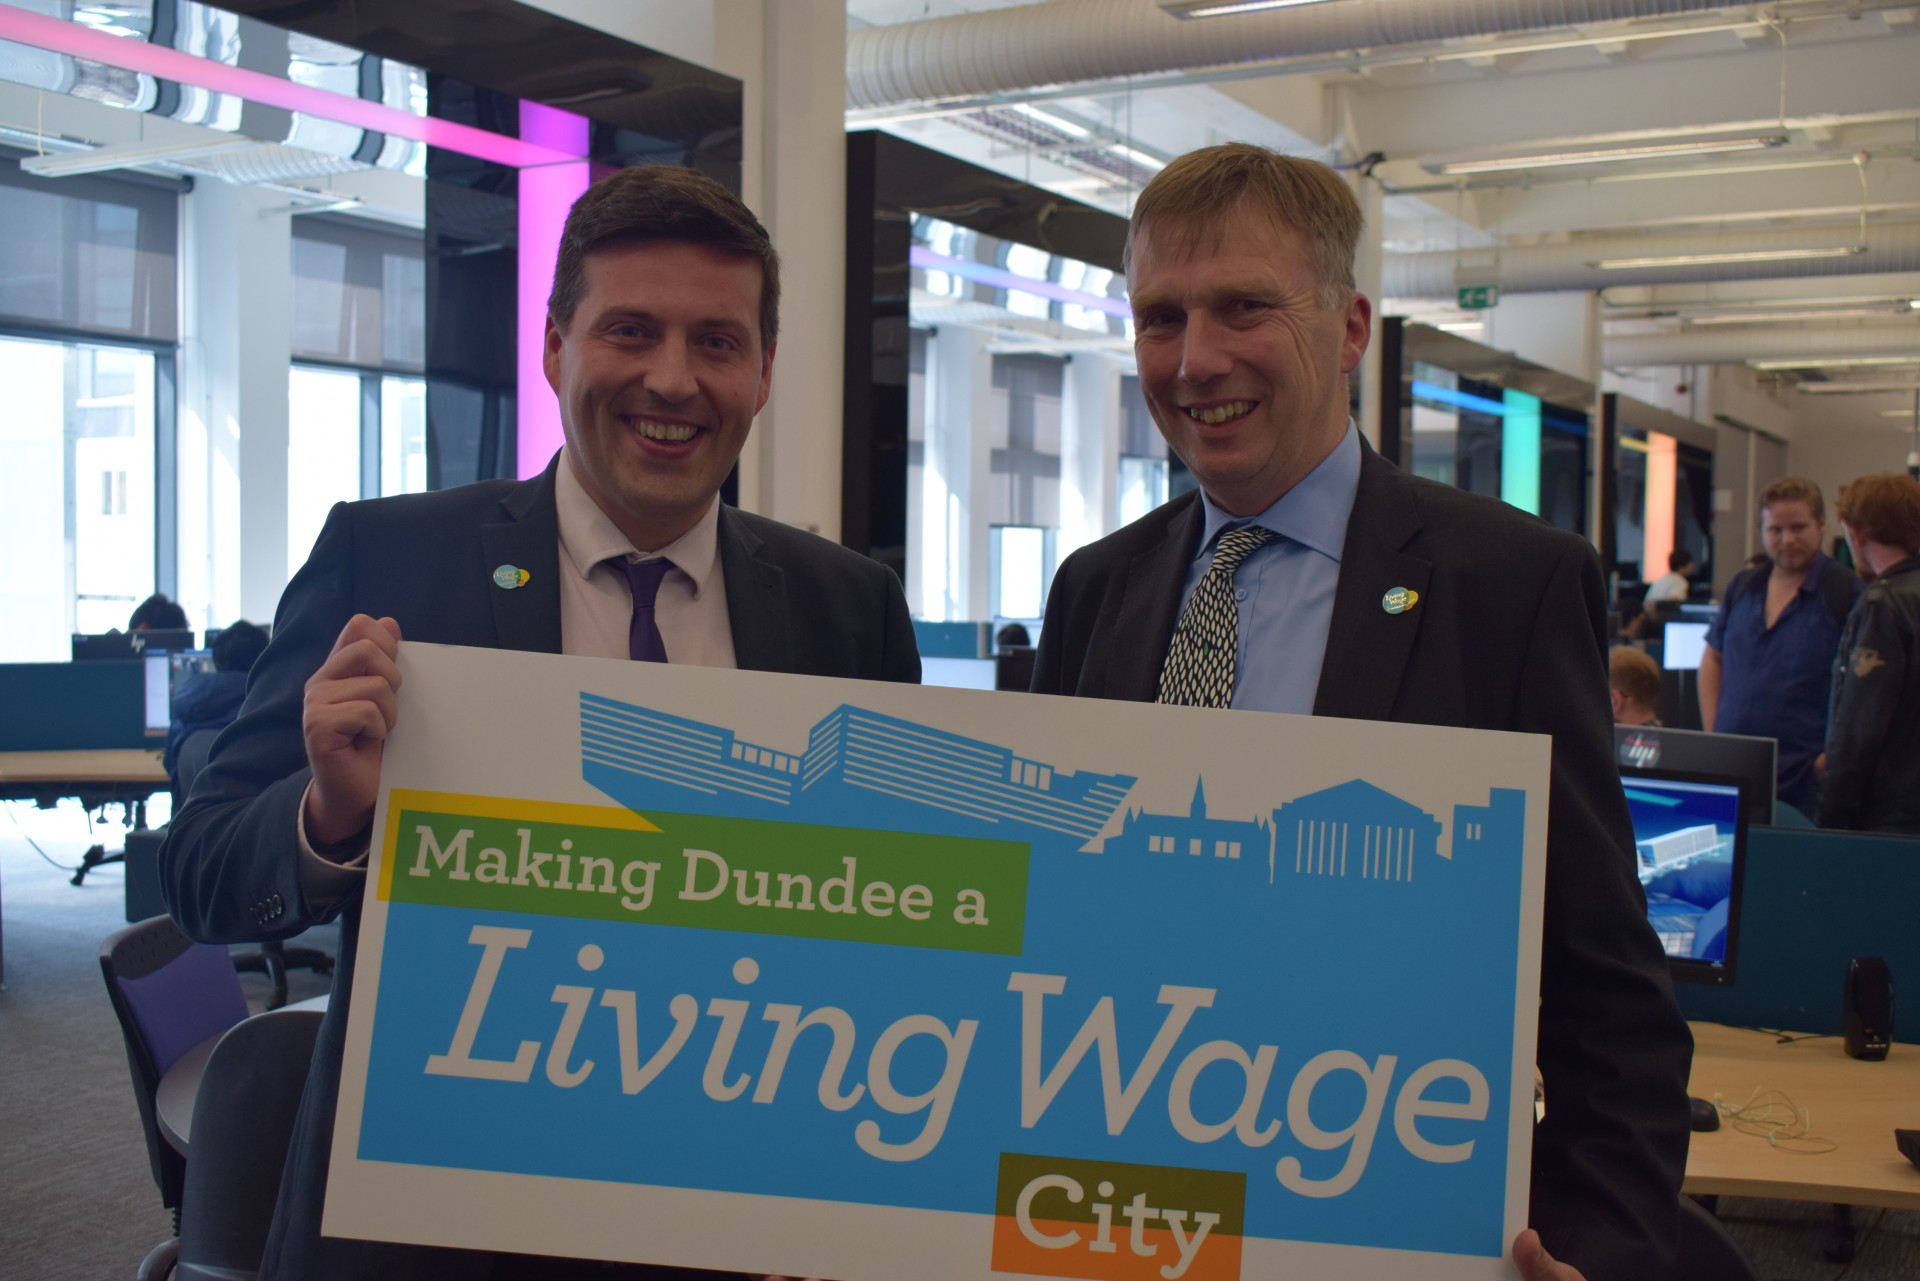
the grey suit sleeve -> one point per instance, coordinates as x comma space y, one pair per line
230, 867
1614, 1051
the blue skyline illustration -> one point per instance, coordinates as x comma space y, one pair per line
862, 768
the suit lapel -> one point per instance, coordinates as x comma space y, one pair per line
1367, 647
1132, 650
527, 537
756, 600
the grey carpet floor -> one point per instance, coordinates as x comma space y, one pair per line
78, 1202
77, 1197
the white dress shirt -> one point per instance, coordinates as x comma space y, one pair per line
596, 607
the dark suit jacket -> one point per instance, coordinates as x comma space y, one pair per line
229, 867
1508, 634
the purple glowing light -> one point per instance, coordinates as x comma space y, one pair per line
133, 54
546, 194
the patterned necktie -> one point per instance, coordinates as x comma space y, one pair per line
1199, 670
643, 634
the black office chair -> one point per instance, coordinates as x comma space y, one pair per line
1707, 1252
170, 994
243, 1123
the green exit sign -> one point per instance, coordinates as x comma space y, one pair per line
1478, 297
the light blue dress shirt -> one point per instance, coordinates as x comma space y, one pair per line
1285, 589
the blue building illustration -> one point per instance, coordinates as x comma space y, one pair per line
1490, 830
860, 769
1352, 829
1193, 834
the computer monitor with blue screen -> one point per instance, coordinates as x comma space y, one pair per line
1690, 843
1750, 758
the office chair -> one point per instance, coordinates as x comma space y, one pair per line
1707, 1252
170, 994
242, 1126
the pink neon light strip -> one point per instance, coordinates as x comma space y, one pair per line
546, 195
131, 54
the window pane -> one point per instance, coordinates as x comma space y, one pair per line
88, 252
323, 453
76, 447
403, 435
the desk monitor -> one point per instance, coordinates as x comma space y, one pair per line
1690, 842
125, 645
1751, 760
957, 673
164, 672
1682, 643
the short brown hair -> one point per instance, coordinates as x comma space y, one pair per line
1633, 673
1185, 202
1884, 509
1794, 489
662, 202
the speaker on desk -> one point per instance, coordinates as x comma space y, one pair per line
1868, 1003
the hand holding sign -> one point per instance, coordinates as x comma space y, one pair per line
348, 713
1535, 1264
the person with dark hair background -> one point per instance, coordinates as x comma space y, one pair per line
157, 612
209, 701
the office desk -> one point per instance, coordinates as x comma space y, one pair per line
95, 776
1854, 1103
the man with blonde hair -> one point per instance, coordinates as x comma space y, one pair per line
1355, 590
1633, 680
1872, 777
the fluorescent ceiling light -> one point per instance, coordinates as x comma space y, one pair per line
1125, 152
1773, 317
1854, 389
102, 159
1750, 255
1833, 362
1052, 121
1603, 155
1185, 9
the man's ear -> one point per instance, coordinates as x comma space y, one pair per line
550, 354
766, 379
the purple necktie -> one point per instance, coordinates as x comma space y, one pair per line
643, 634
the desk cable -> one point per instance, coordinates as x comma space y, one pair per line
1773, 1116
35, 845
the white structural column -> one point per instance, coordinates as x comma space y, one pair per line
947, 569
1089, 450
234, 356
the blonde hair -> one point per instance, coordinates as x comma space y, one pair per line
1633, 673
1183, 205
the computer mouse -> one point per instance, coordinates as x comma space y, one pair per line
1704, 1116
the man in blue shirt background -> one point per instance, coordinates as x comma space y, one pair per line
1768, 664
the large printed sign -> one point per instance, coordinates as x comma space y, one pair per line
829, 978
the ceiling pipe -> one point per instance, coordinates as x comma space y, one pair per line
1890, 247
1735, 347
1066, 42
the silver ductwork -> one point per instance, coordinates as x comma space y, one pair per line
1066, 42
1890, 247
1734, 347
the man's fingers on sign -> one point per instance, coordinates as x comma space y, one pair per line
1532, 1261
348, 711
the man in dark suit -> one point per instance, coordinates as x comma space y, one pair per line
660, 340
1310, 575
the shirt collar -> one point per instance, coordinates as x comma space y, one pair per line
1313, 513
588, 536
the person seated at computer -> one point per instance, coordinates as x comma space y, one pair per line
157, 613
1671, 587
1633, 678
207, 702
